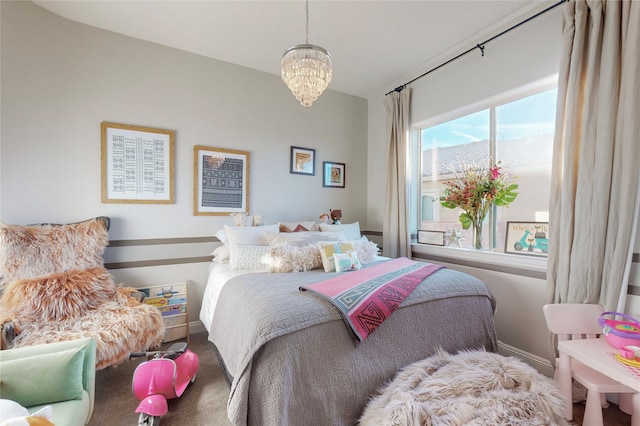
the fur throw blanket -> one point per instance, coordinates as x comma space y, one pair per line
470, 388
82, 303
54, 287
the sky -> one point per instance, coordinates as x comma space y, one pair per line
524, 117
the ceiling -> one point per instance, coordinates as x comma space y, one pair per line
373, 44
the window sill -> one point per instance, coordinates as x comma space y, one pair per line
532, 266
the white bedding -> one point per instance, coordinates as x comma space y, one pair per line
219, 274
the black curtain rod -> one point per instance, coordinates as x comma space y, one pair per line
478, 46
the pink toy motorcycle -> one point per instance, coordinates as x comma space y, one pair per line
163, 377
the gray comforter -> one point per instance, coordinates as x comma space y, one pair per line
293, 361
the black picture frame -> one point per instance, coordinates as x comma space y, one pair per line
333, 174
302, 161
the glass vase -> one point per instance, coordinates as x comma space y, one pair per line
477, 236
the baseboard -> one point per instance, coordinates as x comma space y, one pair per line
543, 365
196, 327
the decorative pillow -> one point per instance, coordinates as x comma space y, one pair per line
367, 250
351, 230
297, 226
57, 297
301, 239
250, 258
346, 262
37, 250
287, 258
329, 248
248, 236
14, 414
221, 254
221, 235
62, 372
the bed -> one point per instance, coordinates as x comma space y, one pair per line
290, 359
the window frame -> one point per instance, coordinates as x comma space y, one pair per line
489, 259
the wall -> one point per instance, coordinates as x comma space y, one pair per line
61, 79
524, 55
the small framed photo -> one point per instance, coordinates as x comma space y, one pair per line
528, 238
303, 161
432, 238
333, 174
220, 181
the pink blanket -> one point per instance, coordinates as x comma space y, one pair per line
369, 296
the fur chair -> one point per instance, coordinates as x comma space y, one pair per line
54, 287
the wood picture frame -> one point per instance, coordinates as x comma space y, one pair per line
333, 174
137, 164
527, 238
432, 238
302, 161
220, 181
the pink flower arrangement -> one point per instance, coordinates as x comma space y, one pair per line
475, 189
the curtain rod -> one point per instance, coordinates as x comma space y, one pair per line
478, 46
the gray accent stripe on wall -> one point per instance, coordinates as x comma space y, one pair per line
157, 262
154, 241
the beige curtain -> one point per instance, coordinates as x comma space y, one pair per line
395, 241
596, 154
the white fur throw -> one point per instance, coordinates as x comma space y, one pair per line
470, 388
288, 258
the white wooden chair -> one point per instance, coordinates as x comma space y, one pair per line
569, 321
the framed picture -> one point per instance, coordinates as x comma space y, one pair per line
303, 161
432, 238
220, 181
137, 164
528, 238
333, 174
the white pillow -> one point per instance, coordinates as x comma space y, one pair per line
221, 254
346, 262
287, 258
221, 235
250, 257
248, 236
293, 226
301, 239
351, 230
329, 248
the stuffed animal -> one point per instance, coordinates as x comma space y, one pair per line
14, 414
324, 218
336, 215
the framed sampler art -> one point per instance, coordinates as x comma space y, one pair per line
220, 181
137, 164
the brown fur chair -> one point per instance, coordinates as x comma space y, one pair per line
54, 287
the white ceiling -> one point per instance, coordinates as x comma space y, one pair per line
373, 44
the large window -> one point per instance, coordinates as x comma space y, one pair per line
519, 134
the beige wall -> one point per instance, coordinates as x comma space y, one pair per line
61, 79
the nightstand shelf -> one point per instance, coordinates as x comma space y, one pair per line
171, 300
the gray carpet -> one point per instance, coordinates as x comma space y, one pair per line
204, 402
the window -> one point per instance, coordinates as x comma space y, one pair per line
519, 134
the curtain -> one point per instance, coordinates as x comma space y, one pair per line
395, 231
594, 197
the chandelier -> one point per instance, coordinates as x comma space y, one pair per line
214, 160
306, 69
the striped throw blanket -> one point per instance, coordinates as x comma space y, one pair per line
369, 296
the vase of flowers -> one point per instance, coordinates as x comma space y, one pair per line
474, 190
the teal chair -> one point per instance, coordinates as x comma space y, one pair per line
60, 374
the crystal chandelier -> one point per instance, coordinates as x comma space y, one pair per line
306, 69
214, 160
